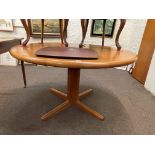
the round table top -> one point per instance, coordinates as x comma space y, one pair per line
108, 56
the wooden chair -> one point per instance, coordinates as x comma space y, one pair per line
84, 25
28, 35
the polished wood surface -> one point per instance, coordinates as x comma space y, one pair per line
72, 98
108, 56
68, 52
145, 53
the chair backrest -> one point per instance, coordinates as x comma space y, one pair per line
26, 23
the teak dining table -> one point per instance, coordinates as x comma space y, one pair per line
108, 57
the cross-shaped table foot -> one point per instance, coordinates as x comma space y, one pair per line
72, 98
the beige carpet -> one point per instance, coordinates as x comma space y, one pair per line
126, 105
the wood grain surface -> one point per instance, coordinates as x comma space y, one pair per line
108, 56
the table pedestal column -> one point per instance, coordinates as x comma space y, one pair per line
72, 98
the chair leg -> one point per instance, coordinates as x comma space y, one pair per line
24, 75
17, 62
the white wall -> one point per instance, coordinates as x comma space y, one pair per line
129, 39
150, 80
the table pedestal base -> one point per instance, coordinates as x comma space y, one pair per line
72, 98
